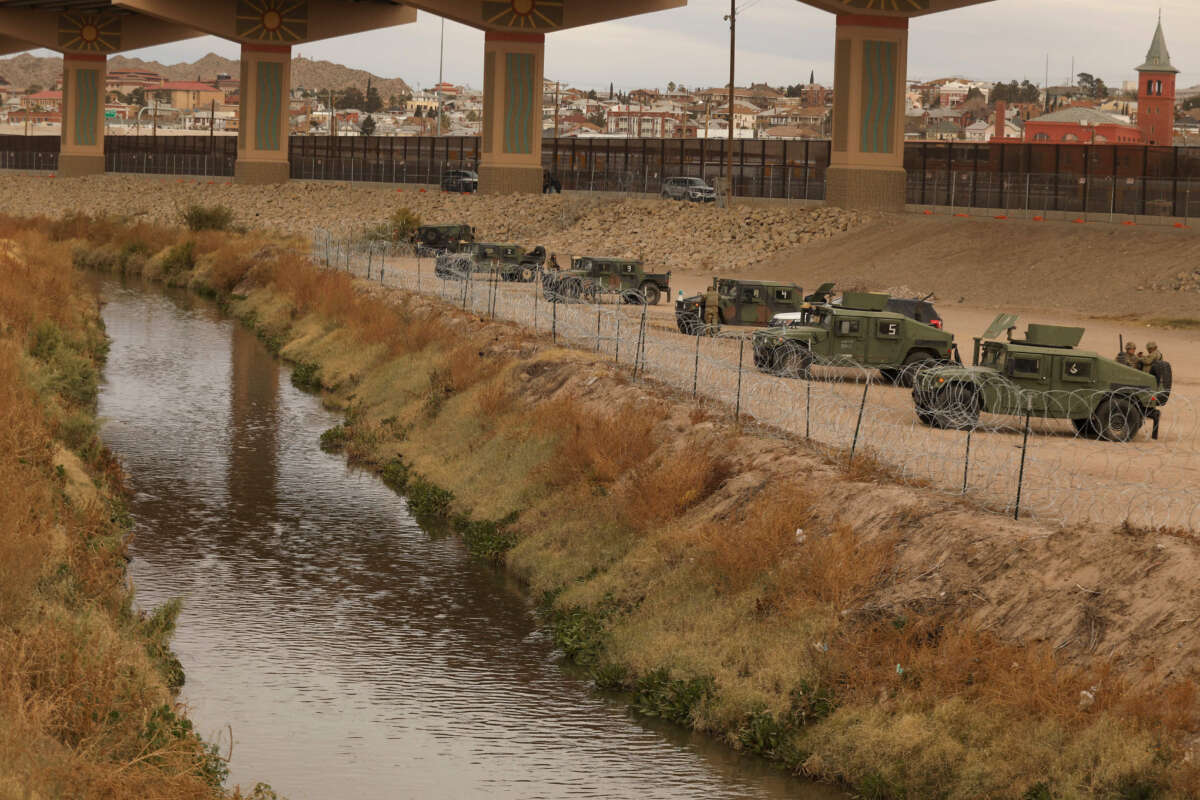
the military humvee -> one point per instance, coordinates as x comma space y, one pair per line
432, 239
510, 262
752, 303
1045, 375
857, 333
589, 278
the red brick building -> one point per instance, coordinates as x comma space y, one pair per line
1156, 93
1081, 125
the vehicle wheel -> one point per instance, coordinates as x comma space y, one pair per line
914, 363
650, 293
666, 195
590, 293
890, 375
632, 297
528, 274
688, 324
1161, 370
1084, 427
955, 406
1117, 419
792, 360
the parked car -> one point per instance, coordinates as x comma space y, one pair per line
460, 180
692, 189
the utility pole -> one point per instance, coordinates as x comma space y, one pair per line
556, 87
332, 117
732, 40
707, 114
441, 65
154, 130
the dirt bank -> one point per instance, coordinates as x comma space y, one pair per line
843, 623
668, 235
1092, 269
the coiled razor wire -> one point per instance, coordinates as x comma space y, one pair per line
1022, 463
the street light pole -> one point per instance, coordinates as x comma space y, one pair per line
732, 39
441, 65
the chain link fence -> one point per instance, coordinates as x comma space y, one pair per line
1026, 462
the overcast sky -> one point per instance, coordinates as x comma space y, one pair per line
779, 42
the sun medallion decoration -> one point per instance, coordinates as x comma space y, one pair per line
533, 14
89, 33
888, 5
272, 20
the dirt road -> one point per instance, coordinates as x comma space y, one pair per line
1066, 478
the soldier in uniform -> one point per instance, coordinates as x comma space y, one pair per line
1130, 357
553, 263
1152, 355
712, 306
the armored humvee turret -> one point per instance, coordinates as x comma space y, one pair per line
858, 332
1044, 375
589, 278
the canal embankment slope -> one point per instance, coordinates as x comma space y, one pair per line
845, 623
87, 685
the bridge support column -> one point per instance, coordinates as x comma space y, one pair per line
867, 162
263, 114
512, 113
82, 149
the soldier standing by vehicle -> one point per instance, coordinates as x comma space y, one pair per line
1152, 356
553, 263
1130, 357
712, 306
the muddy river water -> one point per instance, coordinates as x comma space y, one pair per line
341, 649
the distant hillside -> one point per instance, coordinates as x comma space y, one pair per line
25, 70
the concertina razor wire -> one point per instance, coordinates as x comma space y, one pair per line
1027, 463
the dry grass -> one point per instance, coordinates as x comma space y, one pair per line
598, 446
85, 710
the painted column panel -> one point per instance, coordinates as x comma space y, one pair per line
81, 151
867, 160
512, 112
263, 113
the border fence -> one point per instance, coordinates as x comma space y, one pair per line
1007, 177
1018, 464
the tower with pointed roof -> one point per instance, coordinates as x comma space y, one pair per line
1156, 92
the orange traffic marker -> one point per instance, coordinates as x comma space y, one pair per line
1078, 221
1002, 216
1177, 224
1039, 218
964, 216
927, 213
1129, 222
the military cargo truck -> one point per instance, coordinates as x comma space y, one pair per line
858, 332
590, 278
509, 262
432, 239
1044, 375
743, 303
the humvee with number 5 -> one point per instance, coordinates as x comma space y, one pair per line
1044, 375
858, 332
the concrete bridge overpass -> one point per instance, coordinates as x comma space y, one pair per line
870, 62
